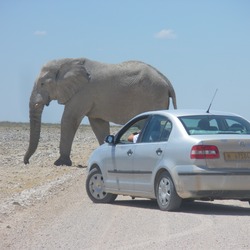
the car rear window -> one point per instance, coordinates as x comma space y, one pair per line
215, 124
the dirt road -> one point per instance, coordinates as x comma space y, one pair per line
46, 207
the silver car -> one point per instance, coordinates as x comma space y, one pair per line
178, 155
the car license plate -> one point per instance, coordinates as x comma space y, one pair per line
237, 156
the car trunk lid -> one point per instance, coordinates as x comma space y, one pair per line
234, 153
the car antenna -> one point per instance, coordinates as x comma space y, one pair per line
212, 101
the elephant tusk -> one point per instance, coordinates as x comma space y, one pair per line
36, 105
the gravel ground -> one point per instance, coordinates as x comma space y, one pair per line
46, 207
22, 185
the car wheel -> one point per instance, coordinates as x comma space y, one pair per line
95, 188
167, 198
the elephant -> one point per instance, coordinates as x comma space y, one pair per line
103, 92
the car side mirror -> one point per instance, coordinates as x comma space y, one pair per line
110, 139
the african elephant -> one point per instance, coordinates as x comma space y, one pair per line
102, 92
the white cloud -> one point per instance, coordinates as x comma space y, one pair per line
165, 34
40, 33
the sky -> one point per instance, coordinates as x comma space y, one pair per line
199, 45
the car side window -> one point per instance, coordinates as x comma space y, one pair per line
158, 129
133, 129
166, 131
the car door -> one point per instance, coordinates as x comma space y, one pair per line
149, 152
120, 162
122, 166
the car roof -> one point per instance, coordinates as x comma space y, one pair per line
187, 112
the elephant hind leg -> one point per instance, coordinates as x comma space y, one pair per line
100, 127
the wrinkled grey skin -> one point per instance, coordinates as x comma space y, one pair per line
102, 92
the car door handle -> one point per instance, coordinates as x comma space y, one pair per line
130, 152
158, 151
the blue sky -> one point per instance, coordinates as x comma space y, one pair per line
199, 45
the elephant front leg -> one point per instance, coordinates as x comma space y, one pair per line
69, 127
63, 160
100, 127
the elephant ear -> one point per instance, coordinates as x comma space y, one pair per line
70, 78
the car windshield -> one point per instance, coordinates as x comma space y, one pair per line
215, 124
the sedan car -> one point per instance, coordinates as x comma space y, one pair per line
178, 155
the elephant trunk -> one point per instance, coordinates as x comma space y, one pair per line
36, 110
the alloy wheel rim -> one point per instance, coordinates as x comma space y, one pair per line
164, 191
96, 186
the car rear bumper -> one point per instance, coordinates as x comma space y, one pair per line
196, 182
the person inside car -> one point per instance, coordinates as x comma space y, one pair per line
133, 137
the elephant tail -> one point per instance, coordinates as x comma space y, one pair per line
173, 97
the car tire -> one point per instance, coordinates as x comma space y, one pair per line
166, 196
95, 188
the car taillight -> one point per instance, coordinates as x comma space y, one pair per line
204, 152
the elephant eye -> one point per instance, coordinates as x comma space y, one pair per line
42, 83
